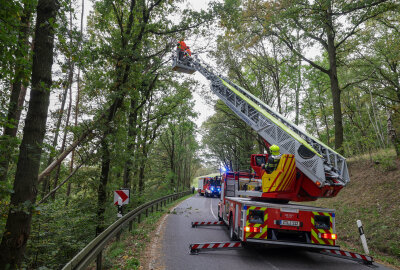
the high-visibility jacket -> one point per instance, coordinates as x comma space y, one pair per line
272, 163
188, 52
182, 45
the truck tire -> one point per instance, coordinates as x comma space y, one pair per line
232, 234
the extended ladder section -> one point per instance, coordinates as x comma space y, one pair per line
317, 161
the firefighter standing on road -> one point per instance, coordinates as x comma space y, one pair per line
273, 159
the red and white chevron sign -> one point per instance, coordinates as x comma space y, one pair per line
200, 246
205, 223
121, 197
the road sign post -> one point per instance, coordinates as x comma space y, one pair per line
121, 197
119, 207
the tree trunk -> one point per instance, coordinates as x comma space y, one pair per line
18, 224
276, 79
71, 67
17, 97
102, 189
172, 156
393, 135
46, 180
324, 118
57, 176
141, 178
132, 119
298, 84
335, 89
76, 103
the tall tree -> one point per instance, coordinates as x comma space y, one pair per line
381, 67
319, 22
18, 225
19, 83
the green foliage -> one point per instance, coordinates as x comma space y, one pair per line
58, 233
116, 249
385, 162
133, 263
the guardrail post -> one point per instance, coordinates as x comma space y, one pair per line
147, 212
118, 236
138, 218
157, 207
99, 261
152, 209
130, 226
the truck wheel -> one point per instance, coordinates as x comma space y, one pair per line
232, 234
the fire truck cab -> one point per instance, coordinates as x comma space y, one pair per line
213, 187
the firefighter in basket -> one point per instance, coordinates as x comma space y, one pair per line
273, 159
181, 48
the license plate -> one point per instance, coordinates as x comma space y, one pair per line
289, 223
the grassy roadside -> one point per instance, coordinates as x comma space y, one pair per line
128, 253
372, 196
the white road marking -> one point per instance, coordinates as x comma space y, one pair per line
272, 266
212, 212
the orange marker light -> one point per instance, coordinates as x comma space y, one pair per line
332, 236
252, 229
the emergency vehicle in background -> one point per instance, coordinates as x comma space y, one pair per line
200, 186
209, 186
255, 205
213, 187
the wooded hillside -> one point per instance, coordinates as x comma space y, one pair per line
89, 103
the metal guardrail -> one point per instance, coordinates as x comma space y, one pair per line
88, 254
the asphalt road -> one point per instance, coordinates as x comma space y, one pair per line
179, 234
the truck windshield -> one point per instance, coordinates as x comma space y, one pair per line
215, 182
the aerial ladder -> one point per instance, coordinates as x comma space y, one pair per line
319, 170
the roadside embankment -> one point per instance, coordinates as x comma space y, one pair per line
372, 196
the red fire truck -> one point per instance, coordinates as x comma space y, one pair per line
203, 184
260, 219
200, 188
213, 187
